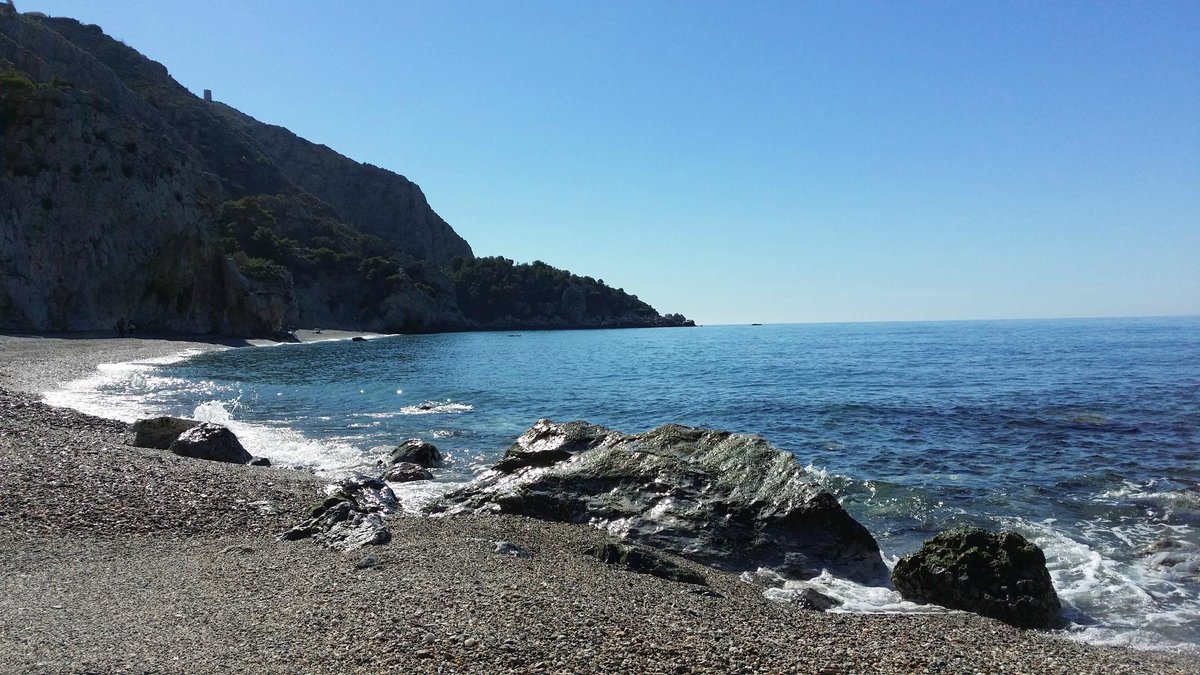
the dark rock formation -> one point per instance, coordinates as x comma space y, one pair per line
645, 561
159, 432
353, 516
376, 201
260, 461
342, 527
1000, 575
212, 442
728, 500
416, 451
368, 494
406, 472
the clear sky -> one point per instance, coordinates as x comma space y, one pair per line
753, 162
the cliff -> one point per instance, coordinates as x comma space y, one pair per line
123, 195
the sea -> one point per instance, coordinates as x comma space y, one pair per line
1083, 435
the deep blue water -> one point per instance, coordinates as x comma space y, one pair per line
1083, 434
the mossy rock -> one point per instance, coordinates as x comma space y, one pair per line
999, 575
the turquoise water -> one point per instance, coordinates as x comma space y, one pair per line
1084, 435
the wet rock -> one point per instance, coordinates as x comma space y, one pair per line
805, 598
367, 493
260, 461
644, 561
358, 338
406, 472
212, 442
728, 500
415, 451
999, 575
1178, 559
159, 432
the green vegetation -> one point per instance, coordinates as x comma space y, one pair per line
272, 235
497, 290
13, 79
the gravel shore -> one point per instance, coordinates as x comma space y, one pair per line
121, 559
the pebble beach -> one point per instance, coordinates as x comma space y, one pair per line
115, 558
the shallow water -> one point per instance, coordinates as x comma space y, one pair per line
1084, 435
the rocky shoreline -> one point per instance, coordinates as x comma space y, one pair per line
116, 558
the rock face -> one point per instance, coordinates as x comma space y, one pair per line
728, 500
212, 442
124, 197
159, 432
375, 200
999, 575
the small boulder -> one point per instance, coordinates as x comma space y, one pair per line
260, 461
212, 442
510, 549
367, 493
416, 451
644, 561
999, 575
406, 472
812, 599
160, 432
342, 527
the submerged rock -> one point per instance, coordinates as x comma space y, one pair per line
406, 472
212, 442
729, 500
160, 432
999, 575
645, 561
416, 451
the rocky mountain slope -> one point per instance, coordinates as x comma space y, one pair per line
125, 196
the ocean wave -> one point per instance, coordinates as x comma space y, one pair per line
436, 407
1115, 601
283, 445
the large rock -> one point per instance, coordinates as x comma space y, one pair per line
728, 500
212, 442
416, 451
1000, 575
160, 432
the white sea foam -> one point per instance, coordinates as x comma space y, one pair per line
436, 407
121, 391
415, 495
283, 445
1112, 602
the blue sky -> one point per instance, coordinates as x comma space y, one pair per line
742, 162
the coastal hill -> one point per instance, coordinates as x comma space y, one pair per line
125, 196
